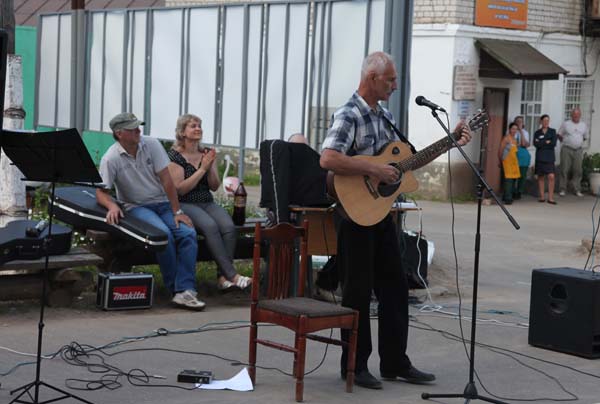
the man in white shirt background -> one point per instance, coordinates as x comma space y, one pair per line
572, 133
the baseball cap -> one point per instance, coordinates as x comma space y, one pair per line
124, 120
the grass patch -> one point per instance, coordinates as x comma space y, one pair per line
206, 272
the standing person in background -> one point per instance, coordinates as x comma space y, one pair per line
195, 174
572, 134
544, 141
523, 155
507, 153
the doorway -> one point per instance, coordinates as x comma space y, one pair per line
495, 102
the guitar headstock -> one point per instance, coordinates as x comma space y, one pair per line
479, 120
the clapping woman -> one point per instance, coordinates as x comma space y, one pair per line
195, 176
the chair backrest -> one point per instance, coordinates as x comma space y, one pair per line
283, 241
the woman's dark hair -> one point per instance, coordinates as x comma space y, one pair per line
544, 116
511, 125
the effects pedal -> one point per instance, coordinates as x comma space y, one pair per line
195, 376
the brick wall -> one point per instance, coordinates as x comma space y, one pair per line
543, 15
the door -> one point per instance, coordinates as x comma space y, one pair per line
495, 102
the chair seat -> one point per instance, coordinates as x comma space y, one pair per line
297, 306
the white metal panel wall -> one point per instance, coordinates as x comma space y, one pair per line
254, 77
166, 72
347, 49
63, 85
204, 29
232, 76
54, 96
160, 63
136, 63
114, 82
46, 105
96, 69
295, 69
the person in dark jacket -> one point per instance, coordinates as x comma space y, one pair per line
544, 141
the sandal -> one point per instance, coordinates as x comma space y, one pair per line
226, 286
541, 200
552, 202
243, 282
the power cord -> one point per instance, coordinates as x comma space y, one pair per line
460, 325
594, 234
511, 354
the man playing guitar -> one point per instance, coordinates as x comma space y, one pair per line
369, 256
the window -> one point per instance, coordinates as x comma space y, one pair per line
579, 93
531, 104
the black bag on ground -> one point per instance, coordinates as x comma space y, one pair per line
327, 277
410, 259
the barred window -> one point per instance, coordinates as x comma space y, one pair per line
531, 104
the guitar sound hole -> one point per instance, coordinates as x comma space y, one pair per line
385, 190
396, 150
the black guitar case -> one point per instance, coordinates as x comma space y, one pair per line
20, 241
77, 206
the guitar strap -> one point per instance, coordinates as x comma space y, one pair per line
400, 135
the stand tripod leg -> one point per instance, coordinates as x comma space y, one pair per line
34, 400
37, 382
470, 392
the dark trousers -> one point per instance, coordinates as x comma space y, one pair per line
368, 259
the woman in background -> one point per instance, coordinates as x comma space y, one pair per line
507, 153
195, 176
544, 141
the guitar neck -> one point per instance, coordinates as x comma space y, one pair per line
426, 155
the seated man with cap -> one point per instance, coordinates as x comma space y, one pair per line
137, 167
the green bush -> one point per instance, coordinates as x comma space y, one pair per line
591, 164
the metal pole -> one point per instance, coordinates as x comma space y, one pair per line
78, 56
398, 34
244, 96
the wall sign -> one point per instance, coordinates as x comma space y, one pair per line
501, 13
465, 82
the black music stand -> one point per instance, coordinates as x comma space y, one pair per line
51, 157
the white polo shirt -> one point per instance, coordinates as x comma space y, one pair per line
135, 177
574, 134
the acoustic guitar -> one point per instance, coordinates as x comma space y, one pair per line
367, 201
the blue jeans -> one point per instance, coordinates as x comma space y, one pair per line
178, 261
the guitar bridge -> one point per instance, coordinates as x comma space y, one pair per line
370, 187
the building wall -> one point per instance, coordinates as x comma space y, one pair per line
437, 48
543, 15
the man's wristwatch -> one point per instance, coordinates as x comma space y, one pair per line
179, 212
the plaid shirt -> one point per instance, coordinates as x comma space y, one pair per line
358, 129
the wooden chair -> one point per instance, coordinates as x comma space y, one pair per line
300, 314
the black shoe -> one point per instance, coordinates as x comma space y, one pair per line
365, 379
517, 196
411, 375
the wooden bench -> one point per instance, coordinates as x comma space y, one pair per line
22, 279
120, 254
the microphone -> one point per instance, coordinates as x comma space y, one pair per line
420, 100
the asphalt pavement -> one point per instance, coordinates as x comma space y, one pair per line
506, 366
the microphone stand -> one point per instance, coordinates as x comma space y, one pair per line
470, 392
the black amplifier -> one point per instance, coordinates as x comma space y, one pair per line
124, 291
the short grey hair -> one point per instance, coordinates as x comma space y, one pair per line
375, 62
